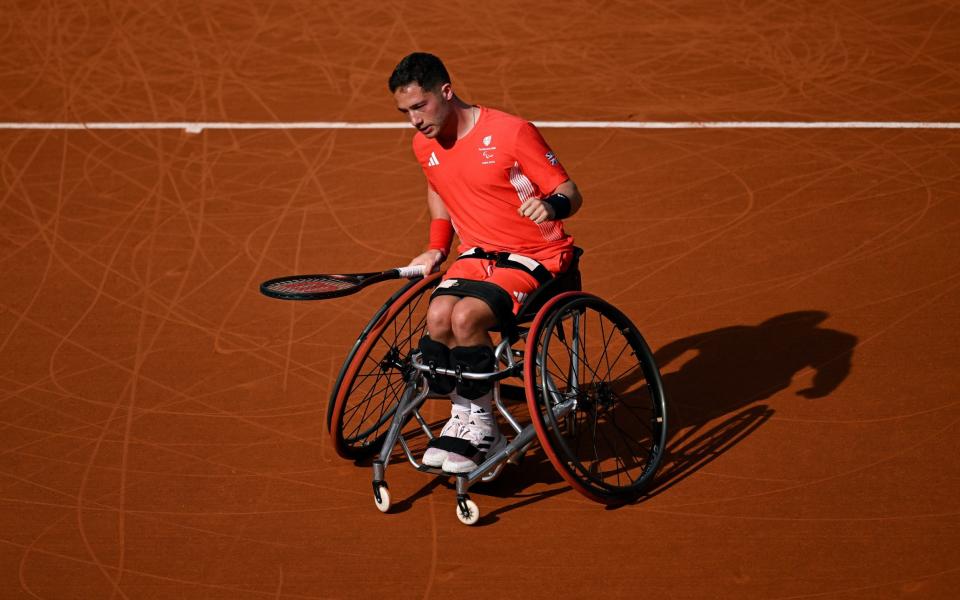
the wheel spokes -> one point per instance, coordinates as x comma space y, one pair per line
611, 440
377, 384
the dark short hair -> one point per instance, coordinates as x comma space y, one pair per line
426, 70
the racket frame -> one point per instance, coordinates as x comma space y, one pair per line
358, 281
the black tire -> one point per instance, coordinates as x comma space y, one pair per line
610, 446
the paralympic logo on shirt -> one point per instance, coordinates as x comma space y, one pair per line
486, 151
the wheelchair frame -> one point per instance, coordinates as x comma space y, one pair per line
550, 403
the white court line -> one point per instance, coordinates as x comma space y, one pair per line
322, 125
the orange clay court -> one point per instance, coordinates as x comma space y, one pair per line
163, 423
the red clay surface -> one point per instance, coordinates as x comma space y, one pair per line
162, 423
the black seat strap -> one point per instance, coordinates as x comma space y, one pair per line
511, 260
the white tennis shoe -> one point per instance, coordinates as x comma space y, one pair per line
456, 427
485, 438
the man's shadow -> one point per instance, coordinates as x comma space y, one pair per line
715, 383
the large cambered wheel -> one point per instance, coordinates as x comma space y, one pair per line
595, 397
372, 379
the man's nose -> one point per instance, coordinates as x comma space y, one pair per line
415, 119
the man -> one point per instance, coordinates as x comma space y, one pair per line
491, 178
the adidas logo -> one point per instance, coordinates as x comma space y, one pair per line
449, 283
433, 161
520, 296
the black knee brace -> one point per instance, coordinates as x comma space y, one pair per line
438, 355
473, 359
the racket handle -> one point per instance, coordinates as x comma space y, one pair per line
414, 271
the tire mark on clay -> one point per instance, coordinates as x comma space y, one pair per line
129, 389
279, 592
741, 217
293, 305
124, 41
100, 291
181, 397
849, 258
236, 590
144, 347
299, 150
49, 238
30, 549
434, 543
258, 259
22, 315
178, 395
141, 355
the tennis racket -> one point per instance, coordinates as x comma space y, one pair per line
322, 287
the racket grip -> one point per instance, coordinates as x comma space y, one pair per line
414, 271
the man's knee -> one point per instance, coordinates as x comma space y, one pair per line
471, 318
438, 317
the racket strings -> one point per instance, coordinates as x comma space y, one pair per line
311, 285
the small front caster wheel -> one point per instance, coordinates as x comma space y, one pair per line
383, 502
467, 511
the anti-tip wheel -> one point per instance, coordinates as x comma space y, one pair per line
472, 511
384, 503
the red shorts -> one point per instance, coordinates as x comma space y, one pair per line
517, 283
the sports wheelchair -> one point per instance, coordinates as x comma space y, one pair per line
593, 394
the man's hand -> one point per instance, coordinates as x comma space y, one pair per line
536, 210
430, 260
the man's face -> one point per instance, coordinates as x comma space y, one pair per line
427, 110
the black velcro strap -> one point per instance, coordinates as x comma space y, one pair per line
437, 355
434, 352
474, 359
456, 445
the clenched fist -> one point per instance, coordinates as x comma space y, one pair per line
536, 210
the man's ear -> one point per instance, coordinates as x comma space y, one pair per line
446, 92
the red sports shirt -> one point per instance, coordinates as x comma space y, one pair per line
485, 176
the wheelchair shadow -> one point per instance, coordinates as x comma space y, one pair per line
535, 469
511, 484
716, 383
715, 396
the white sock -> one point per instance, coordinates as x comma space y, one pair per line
460, 404
482, 408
